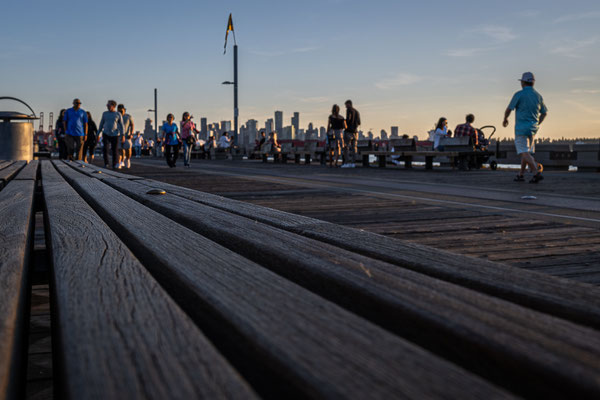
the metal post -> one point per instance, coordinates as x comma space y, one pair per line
235, 91
155, 122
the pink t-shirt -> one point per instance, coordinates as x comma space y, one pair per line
186, 129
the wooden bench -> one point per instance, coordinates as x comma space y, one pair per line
483, 318
283, 338
16, 238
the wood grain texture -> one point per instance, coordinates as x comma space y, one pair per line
119, 335
465, 326
29, 172
8, 173
16, 232
4, 163
89, 168
567, 299
303, 344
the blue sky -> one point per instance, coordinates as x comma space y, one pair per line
402, 63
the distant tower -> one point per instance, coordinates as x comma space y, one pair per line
41, 128
203, 129
296, 121
279, 122
394, 132
269, 126
384, 134
51, 122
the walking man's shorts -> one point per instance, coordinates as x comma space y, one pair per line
524, 144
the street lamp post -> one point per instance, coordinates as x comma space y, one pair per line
236, 111
155, 111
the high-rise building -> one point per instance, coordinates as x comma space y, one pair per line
383, 135
279, 122
252, 131
203, 129
370, 135
296, 121
268, 126
148, 129
322, 133
394, 131
289, 133
225, 126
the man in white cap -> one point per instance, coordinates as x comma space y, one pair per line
531, 112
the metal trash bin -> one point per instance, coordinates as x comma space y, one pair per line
16, 133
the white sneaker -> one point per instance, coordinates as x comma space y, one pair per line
345, 166
120, 165
128, 163
352, 166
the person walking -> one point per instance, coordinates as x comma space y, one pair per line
125, 141
111, 128
351, 135
171, 140
92, 140
59, 134
75, 124
138, 142
530, 113
335, 131
188, 137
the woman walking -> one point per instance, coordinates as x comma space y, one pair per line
91, 141
335, 131
188, 137
171, 140
59, 134
138, 142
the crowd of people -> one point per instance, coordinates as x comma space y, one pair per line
78, 135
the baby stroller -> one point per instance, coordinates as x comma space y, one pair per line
482, 146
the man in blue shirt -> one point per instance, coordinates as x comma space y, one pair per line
75, 124
530, 113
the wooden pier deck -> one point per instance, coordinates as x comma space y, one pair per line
478, 213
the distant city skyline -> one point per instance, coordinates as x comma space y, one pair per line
403, 65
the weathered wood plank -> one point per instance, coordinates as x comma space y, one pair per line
29, 172
442, 317
105, 171
16, 233
4, 163
569, 300
119, 335
10, 172
278, 333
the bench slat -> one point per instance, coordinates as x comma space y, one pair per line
119, 335
16, 235
448, 319
564, 298
8, 173
301, 340
29, 172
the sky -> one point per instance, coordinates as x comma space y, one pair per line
402, 63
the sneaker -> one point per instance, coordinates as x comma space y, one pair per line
128, 163
352, 165
345, 166
106, 166
120, 165
536, 178
519, 178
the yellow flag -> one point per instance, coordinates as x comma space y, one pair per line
229, 28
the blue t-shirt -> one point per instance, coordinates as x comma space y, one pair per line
170, 133
529, 105
75, 121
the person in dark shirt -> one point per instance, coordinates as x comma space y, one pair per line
92, 140
335, 130
59, 134
261, 141
351, 135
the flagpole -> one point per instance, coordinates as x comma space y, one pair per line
235, 90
